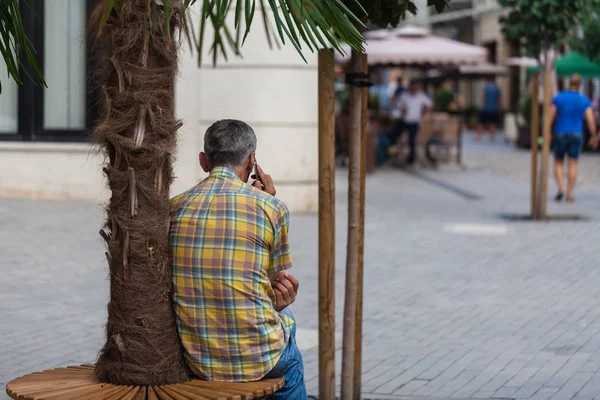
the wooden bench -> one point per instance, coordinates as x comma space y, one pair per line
78, 383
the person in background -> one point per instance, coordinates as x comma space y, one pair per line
383, 140
381, 90
413, 104
398, 89
490, 113
569, 109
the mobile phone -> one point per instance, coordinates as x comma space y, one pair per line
255, 171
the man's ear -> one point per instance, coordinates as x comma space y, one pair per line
204, 162
251, 160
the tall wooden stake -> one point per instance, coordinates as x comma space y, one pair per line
326, 226
352, 258
546, 147
361, 236
535, 133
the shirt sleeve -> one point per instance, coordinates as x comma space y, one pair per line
281, 256
555, 100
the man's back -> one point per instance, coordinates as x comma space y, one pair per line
491, 98
570, 112
227, 238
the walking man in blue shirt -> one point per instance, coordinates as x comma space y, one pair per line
569, 109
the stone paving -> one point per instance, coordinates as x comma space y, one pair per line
459, 301
515, 163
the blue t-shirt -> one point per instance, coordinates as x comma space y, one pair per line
570, 107
491, 98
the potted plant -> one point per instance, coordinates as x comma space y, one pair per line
442, 100
472, 116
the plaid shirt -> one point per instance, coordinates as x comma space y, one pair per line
227, 238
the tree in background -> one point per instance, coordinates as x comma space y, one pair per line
541, 27
587, 41
389, 13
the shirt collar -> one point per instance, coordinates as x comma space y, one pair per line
224, 172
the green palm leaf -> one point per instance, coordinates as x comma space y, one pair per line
15, 47
315, 23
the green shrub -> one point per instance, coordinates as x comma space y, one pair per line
442, 99
472, 114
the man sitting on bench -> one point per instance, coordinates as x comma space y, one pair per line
231, 288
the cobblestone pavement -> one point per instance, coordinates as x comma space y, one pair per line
459, 301
515, 163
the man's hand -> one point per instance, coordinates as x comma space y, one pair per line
264, 181
286, 290
594, 142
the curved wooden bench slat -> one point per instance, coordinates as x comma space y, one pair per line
78, 383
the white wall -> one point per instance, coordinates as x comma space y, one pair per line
51, 170
272, 90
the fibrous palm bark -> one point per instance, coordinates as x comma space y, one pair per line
137, 133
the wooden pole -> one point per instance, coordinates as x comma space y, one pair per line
350, 299
326, 226
361, 234
535, 133
547, 136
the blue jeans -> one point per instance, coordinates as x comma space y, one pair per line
568, 144
383, 144
291, 367
413, 131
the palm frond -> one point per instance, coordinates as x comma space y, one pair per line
15, 47
314, 23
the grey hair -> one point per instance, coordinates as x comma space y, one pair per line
228, 142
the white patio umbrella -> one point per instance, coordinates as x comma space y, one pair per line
413, 46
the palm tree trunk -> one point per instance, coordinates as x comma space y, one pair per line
137, 132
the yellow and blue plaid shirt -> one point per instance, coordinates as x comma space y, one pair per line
227, 237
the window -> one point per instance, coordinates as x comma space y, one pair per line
492, 51
8, 103
64, 64
64, 110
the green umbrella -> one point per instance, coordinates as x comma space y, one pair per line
573, 63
